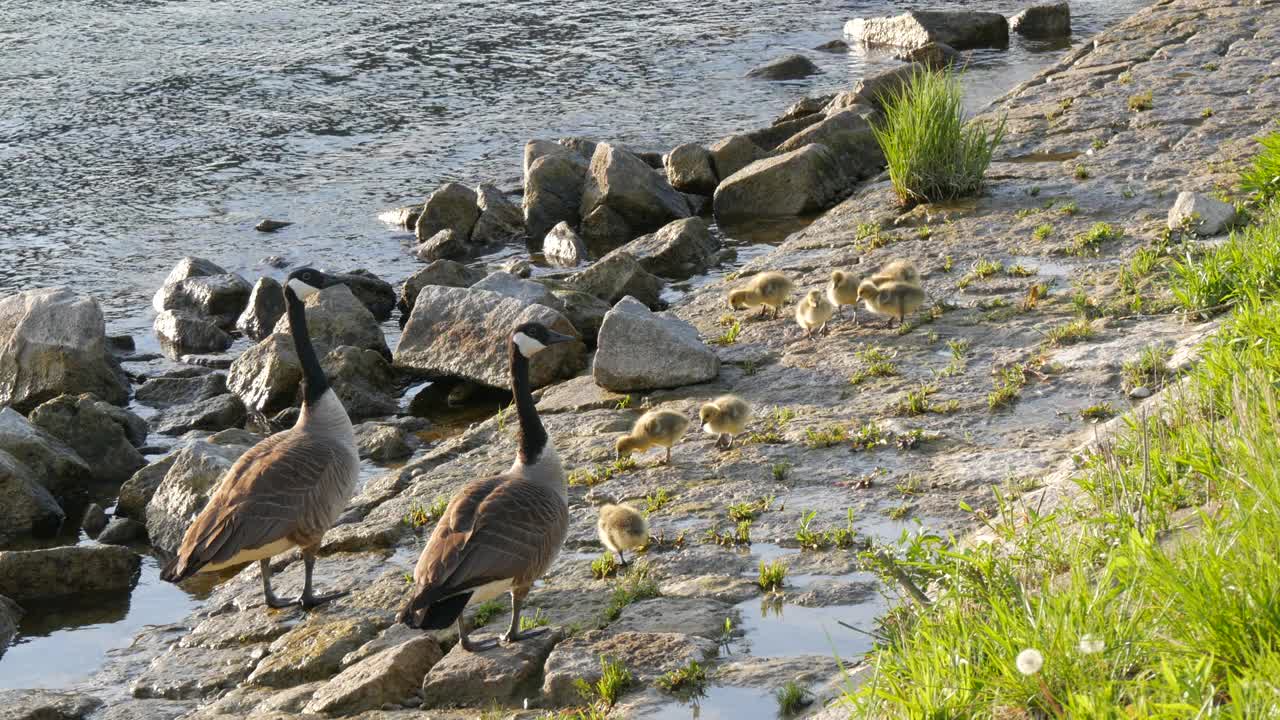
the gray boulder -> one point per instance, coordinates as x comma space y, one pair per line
440, 272
478, 679
934, 55
372, 291
122, 531
646, 655
390, 676
450, 207
48, 461
562, 246
625, 184
961, 29
135, 428
768, 138
603, 229
53, 342
68, 570
519, 267
382, 443
94, 435
690, 169
402, 217
216, 413
585, 311
834, 130
641, 350
198, 287
876, 89
464, 333
47, 705
586, 147
789, 67
803, 107
615, 276
26, 508
733, 153
795, 183
136, 492
191, 479
10, 614
164, 392
335, 317
679, 250
181, 333
526, 291
1043, 21
94, 519
362, 379
500, 220
267, 375
1202, 214
553, 191
444, 245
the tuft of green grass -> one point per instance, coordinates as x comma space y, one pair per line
1141, 102
615, 679
686, 681
826, 437
876, 363
1090, 241
917, 402
1008, 387
772, 576
655, 501
1098, 412
602, 473
1206, 113
418, 516
729, 336
869, 437
750, 510
623, 403
780, 471
1247, 264
1149, 370
633, 587
1081, 172
604, 566
810, 538
486, 611
933, 154
1075, 331
1070, 208
1042, 231
984, 268
535, 621
791, 698
1262, 177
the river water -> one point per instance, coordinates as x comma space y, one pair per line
133, 132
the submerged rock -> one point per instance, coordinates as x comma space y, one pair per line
46, 705
795, 183
641, 350
1204, 215
10, 614
94, 519
54, 342
690, 168
122, 531
476, 679
934, 55
790, 67
190, 480
26, 507
961, 29
268, 225
463, 333
450, 207
68, 570
1043, 21
678, 250
562, 246
390, 676
93, 434
626, 185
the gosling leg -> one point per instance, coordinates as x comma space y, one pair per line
728, 441
514, 634
272, 601
622, 561
309, 599
668, 462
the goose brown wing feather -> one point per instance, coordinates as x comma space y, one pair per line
269, 494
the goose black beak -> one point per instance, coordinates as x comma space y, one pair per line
555, 338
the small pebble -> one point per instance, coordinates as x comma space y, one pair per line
275, 261
1139, 393
271, 225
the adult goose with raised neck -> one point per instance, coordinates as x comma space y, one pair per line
498, 534
287, 490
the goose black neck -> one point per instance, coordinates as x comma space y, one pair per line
533, 437
314, 383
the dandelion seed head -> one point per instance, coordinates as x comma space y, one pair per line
1091, 644
1029, 661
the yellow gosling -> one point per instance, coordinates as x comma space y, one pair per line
621, 528
813, 312
892, 299
768, 291
726, 416
655, 428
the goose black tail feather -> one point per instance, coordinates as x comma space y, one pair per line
176, 570
425, 612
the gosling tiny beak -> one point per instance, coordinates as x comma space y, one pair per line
554, 337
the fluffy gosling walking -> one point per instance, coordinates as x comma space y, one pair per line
843, 290
814, 311
893, 299
726, 416
897, 270
655, 428
768, 290
622, 527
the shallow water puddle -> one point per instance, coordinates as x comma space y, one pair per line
736, 703
779, 629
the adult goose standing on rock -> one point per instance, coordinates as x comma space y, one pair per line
287, 490
498, 534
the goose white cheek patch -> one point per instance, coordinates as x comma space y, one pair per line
528, 346
301, 289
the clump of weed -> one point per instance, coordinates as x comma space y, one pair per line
1149, 370
1141, 102
1090, 241
685, 681
1008, 387
791, 699
1077, 330
876, 363
1098, 412
614, 680
1042, 231
772, 576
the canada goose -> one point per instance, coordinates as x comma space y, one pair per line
656, 427
900, 270
769, 290
843, 290
813, 312
498, 534
622, 527
287, 490
893, 298
725, 416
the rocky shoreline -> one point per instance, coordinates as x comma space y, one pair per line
865, 429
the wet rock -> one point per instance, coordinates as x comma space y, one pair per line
146, 710
833, 46
391, 676
934, 55
311, 651
1043, 21
446, 273
444, 245
961, 29
626, 185
464, 333
725, 588
382, 443
563, 247
213, 362
1204, 215
53, 342
216, 413
553, 191
67, 570
362, 379
690, 168
586, 147
193, 673
46, 460
641, 350
291, 700
93, 434
267, 375
121, 345
790, 67
768, 138
848, 134
603, 229
94, 519
450, 207
46, 705
135, 428
396, 634
795, 183
234, 629
136, 492
217, 297
804, 107
615, 276
376, 294
122, 531
500, 220
10, 614
679, 250
1140, 393
526, 291
403, 217
585, 311
183, 332
703, 617
166, 392
268, 226
734, 153
646, 655
335, 317
191, 479
519, 267
476, 679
